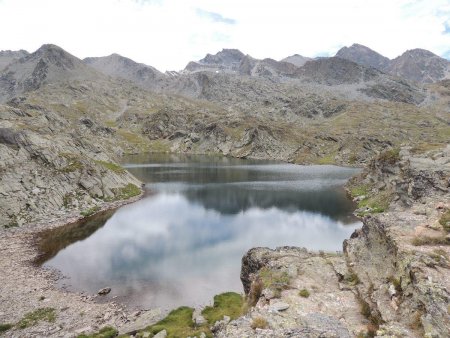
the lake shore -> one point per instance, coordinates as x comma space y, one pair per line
26, 287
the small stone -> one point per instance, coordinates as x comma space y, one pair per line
146, 335
202, 335
226, 319
392, 290
161, 334
199, 320
280, 306
104, 291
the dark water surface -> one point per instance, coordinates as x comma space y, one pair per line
183, 242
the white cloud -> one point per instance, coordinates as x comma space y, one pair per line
169, 33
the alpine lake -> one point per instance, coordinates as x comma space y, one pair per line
183, 242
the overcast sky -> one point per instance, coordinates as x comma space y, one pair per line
167, 34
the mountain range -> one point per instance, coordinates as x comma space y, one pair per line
336, 110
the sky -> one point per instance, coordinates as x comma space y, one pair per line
167, 34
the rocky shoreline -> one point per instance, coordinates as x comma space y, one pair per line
392, 279
26, 288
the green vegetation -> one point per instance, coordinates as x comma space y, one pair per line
111, 166
226, 304
106, 332
5, 327
130, 190
327, 159
276, 280
428, 240
351, 278
259, 323
12, 224
178, 323
304, 293
360, 190
90, 211
390, 156
32, 318
74, 163
445, 221
375, 204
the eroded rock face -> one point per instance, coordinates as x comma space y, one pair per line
45, 173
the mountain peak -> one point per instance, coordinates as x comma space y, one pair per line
226, 57
364, 56
296, 59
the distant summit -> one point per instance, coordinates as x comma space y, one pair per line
225, 60
417, 65
297, 60
48, 64
420, 65
364, 56
119, 66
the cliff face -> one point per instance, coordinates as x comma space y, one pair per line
47, 173
392, 278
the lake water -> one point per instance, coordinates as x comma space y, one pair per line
183, 242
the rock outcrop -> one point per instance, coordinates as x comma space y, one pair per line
50, 172
392, 278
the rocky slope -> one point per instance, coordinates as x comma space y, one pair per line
47, 171
393, 276
8, 56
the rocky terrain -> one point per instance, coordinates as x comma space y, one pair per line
392, 279
65, 123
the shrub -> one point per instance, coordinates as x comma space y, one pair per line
445, 221
304, 293
5, 327
90, 211
259, 323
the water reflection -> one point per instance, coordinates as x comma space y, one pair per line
184, 244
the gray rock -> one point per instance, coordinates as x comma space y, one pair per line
279, 306
161, 334
104, 291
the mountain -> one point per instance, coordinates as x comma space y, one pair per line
49, 64
296, 60
364, 56
420, 65
118, 66
8, 56
225, 60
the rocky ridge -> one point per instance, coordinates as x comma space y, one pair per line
392, 278
417, 65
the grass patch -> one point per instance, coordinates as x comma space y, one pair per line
327, 159
445, 221
304, 293
259, 323
32, 318
128, 191
376, 204
425, 147
73, 163
226, 304
111, 166
351, 278
276, 280
390, 156
178, 323
106, 332
360, 190
90, 211
427, 240
5, 327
